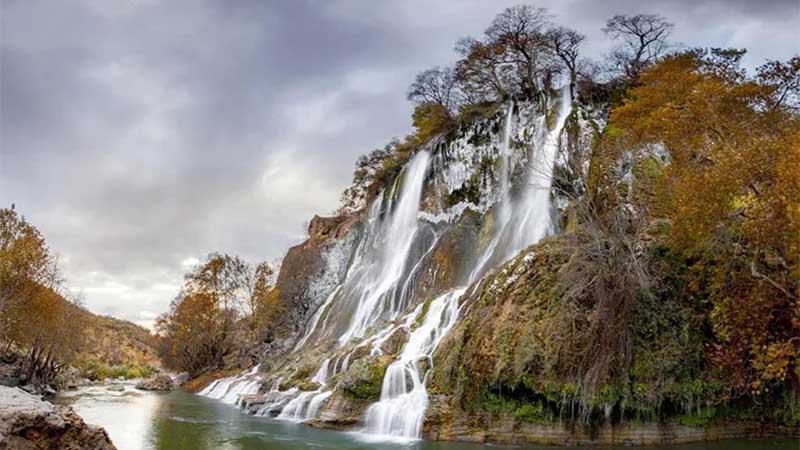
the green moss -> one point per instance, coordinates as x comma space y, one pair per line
422, 313
700, 418
531, 413
364, 379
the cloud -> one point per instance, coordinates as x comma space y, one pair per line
141, 136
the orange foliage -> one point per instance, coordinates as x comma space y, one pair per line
732, 194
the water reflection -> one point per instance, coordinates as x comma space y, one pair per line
177, 420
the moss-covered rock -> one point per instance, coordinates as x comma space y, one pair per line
363, 380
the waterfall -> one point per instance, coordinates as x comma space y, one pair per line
306, 405
376, 280
527, 218
503, 214
404, 398
519, 223
379, 285
230, 389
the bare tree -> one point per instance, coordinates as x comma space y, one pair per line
566, 43
784, 79
644, 40
482, 73
436, 85
520, 31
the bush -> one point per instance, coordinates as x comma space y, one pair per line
531, 413
98, 371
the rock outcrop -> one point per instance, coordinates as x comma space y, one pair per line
160, 382
28, 423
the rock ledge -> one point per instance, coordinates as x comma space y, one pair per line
28, 423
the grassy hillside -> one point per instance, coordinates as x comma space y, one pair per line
115, 348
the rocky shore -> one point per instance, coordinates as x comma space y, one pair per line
28, 423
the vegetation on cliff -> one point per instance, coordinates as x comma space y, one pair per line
674, 292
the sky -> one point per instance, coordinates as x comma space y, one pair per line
139, 136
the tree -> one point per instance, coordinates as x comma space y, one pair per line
783, 80
731, 195
644, 39
513, 58
225, 303
481, 72
520, 31
436, 85
260, 284
566, 44
35, 319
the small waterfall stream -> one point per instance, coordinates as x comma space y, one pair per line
404, 399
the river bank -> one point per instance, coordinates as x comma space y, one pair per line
140, 420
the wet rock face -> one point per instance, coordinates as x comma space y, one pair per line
311, 270
27, 423
449, 263
363, 380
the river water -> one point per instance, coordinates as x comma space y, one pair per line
177, 420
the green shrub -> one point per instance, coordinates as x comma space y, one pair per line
531, 413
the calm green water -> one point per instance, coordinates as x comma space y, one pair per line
138, 420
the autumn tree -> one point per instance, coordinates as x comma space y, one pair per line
35, 319
520, 31
644, 39
731, 193
514, 57
222, 300
435, 86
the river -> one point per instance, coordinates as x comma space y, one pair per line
177, 420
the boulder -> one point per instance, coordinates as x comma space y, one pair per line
28, 423
180, 378
160, 382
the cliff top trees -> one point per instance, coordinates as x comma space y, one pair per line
513, 58
566, 45
436, 86
644, 39
731, 193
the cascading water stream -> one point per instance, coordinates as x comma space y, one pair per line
379, 277
229, 390
404, 398
524, 220
503, 215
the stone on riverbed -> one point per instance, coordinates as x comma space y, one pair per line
28, 423
160, 382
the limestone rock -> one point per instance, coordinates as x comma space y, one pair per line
28, 423
160, 382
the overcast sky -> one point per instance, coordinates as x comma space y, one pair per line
139, 136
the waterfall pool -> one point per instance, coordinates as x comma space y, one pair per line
138, 420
